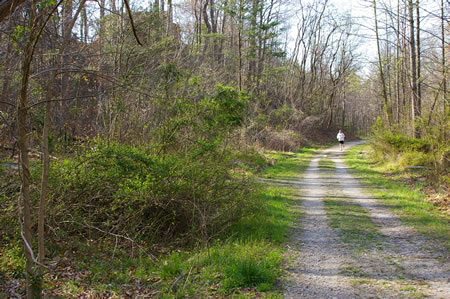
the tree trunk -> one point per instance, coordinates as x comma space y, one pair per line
241, 7
22, 120
443, 57
380, 67
398, 66
7, 77
419, 79
413, 68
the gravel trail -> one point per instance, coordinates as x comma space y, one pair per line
322, 266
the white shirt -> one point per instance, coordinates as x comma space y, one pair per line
340, 136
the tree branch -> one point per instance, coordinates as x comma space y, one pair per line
132, 22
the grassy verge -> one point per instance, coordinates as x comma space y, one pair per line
404, 200
356, 229
244, 263
289, 165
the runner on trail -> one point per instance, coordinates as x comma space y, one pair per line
340, 137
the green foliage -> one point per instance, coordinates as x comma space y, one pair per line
413, 158
249, 273
12, 260
127, 190
400, 151
431, 151
93, 186
225, 109
403, 143
46, 3
284, 115
18, 36
436, 134
250, 160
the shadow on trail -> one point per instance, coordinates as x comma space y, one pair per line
313, 182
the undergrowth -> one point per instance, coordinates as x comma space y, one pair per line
430, 152
243, 260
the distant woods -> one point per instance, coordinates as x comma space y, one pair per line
412, 69
412, 39
117, 69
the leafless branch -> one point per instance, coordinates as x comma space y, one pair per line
133, 27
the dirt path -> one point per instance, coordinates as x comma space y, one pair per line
323, 266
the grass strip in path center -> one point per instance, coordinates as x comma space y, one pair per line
352, 221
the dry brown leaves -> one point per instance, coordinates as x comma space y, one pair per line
439, 199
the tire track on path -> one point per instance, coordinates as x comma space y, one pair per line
407, 257
400, 267
317, 258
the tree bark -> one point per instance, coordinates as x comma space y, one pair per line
7, 78
443, 57
22, 120
419, 66
397, 65
413, 68
380, 67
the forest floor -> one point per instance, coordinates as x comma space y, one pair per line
349, 244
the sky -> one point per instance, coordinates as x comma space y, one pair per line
361, 12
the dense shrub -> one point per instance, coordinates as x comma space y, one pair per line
404, 143
180, 187
124, 190
400, 151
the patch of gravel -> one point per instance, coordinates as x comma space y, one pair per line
322, 266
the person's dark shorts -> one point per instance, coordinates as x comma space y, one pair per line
341, 142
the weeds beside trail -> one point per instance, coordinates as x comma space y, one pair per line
244, 260
405, 200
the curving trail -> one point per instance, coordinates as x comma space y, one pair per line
399, 266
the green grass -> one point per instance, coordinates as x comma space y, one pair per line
353, 222
289, 165
404, 200
244, 262
274, 220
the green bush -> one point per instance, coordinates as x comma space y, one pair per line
180, 186
403, 143
12, 261
399, 150
125, 190
414, 159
